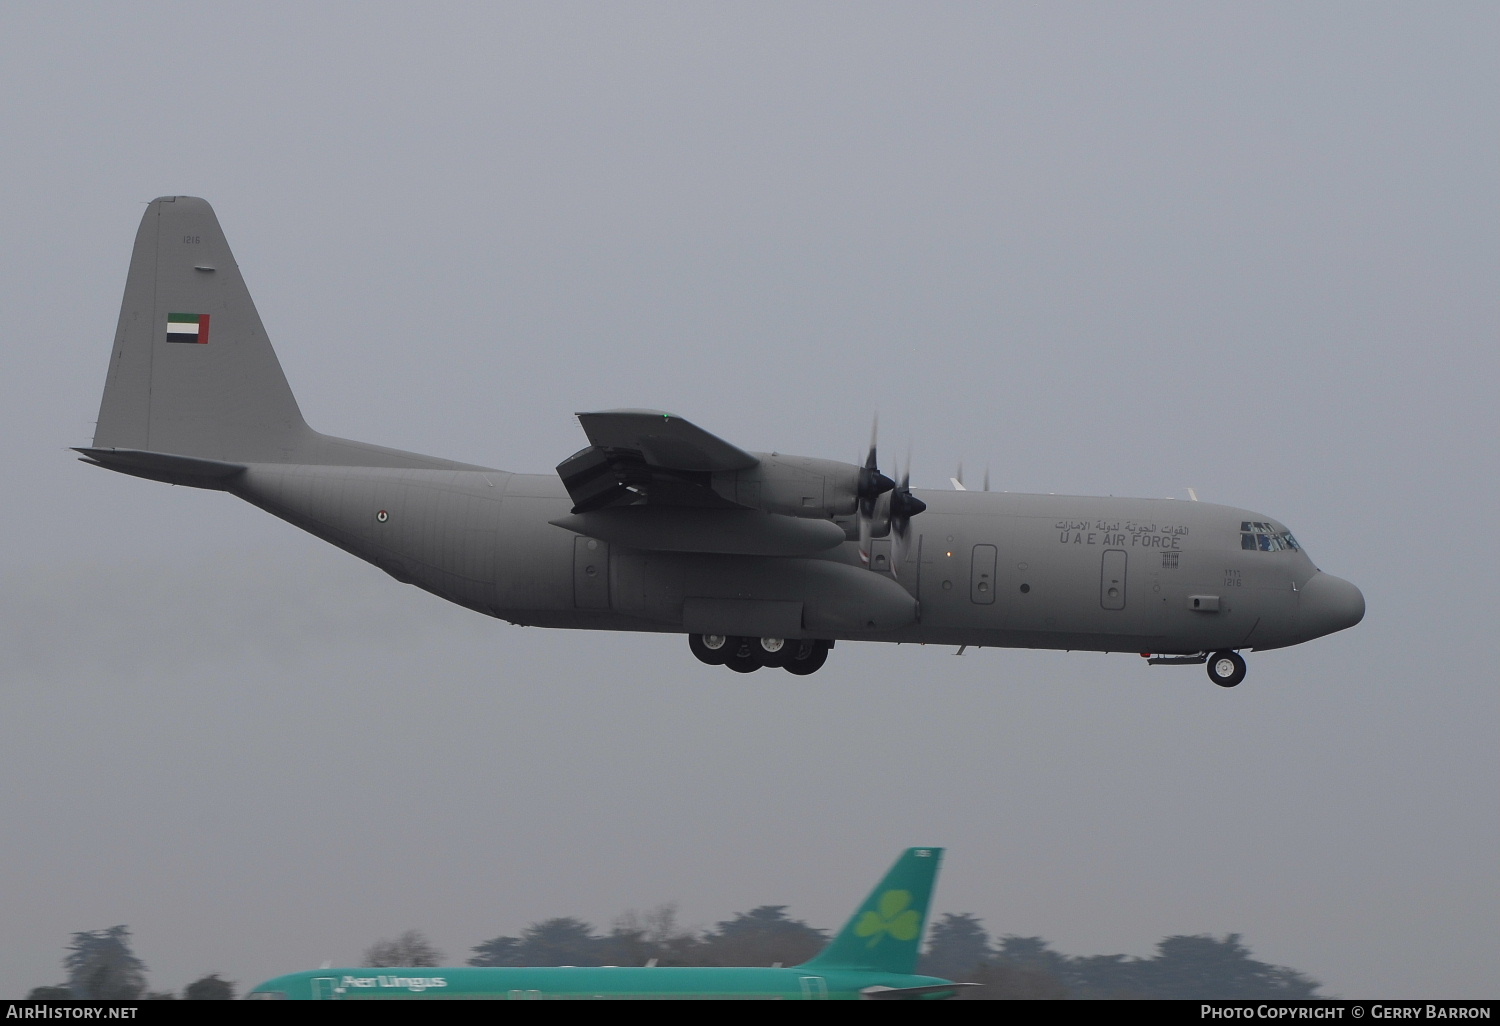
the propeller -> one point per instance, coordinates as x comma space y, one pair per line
872, 485
898, 509
904, 506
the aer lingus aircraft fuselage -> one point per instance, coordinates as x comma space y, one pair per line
762, 559
873, 957
467, 983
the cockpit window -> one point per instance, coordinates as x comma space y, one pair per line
1258, 537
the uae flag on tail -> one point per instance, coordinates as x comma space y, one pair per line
183, 327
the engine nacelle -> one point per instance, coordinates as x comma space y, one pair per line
795, 486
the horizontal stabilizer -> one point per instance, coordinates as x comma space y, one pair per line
664, 440
193, 471
733, 532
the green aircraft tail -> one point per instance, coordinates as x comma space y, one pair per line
885, 934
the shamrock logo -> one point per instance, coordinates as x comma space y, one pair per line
891, 915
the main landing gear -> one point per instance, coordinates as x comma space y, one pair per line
746, 655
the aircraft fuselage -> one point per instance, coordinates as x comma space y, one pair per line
981, 568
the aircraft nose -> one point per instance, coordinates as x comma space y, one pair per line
1329, 604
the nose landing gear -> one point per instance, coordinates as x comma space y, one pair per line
1226, 668
746, 655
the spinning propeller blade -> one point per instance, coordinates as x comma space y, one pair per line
872, 485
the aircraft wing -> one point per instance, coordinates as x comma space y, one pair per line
648, 456
664, 440
652, 480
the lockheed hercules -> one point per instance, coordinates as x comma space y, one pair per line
761, 559
873, 957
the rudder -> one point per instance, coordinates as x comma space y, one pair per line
192, 372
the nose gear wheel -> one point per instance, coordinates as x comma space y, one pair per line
1226, 668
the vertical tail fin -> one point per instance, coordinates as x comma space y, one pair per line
192, 372
885, 934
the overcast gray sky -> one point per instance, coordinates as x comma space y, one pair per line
1248, 248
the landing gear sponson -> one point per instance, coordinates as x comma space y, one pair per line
746, 655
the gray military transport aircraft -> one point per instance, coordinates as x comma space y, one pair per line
761, 559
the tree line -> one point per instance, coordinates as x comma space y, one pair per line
100, 964
1184, 967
